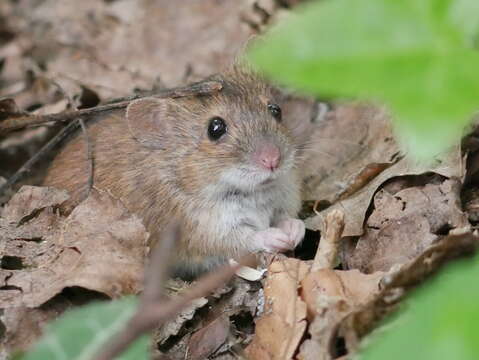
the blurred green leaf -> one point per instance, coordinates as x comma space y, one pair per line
79, 334
409, 54
463, 14
440, 322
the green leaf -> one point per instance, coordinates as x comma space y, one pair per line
463, 15
408, 54
441, 321
79, 334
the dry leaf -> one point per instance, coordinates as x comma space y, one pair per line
30, 199
358, 138
399, 281
239, 301
174, 326
351, 161
350, 138
24, 325
206, 341
405, 223
330, 296
100, 246
280, 329
115, 47
353, 287
248, 273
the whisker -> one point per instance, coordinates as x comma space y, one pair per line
308, 151
336, 140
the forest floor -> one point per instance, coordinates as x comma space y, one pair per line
391, 222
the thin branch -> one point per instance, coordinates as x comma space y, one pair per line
27, 167
153, 311
88, 147
20, 122
151, 315
157, 270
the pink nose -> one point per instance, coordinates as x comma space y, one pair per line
267, 156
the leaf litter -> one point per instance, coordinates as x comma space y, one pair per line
99, 247
402, 220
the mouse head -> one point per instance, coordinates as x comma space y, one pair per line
234, 139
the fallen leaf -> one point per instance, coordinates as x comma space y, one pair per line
24, 325
240, 301
347, 140
30, 199
248, 273
12, 70
93, 53
405, 223
400, 281
174, 326
100, 246
355, 206
330, 296
280, 329
206, 341
351, 154
350, 160
353, 287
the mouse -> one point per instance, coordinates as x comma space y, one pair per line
224, 164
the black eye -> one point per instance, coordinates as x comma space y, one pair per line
216, 128
275, 110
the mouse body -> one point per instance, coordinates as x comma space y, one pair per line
225, 164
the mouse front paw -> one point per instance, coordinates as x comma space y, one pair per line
272, 240
280, 239
295, 230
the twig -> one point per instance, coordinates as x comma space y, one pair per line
156, 272
328, 246
20, 122
153, 310
155, 277
88, 148
63, 133
153, 314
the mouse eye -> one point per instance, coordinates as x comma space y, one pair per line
275, 110
216, 128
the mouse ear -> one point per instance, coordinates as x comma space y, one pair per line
149, 121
